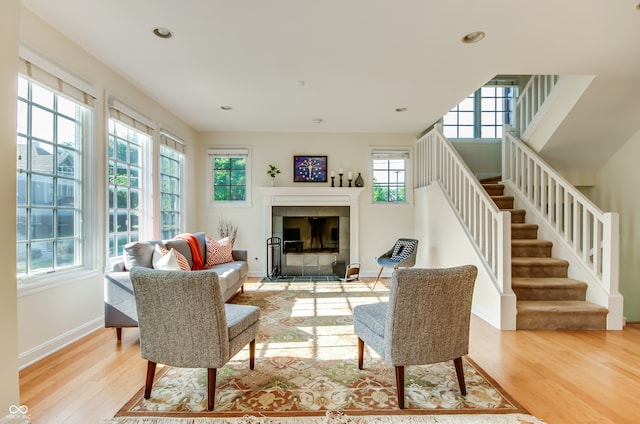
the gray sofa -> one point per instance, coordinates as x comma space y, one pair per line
119, 301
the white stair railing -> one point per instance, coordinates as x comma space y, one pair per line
592, 234
530, 100
488, 226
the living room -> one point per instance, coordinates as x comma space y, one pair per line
68, 308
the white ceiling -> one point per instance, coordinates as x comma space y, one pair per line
282, 63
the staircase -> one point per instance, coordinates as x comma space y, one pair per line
546, 298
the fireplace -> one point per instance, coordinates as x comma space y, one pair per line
314, 238
318, 227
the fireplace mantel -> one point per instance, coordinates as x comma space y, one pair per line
311, 196
315, 196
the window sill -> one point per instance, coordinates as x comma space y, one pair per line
37, 283
475, 140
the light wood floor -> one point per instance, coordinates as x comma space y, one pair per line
559, 376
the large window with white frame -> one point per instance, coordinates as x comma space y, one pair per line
230, 175
170, 190
53, 126
390, 175
129, 140
482, 114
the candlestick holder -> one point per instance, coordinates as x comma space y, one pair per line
332, 181
341, 179
350, 182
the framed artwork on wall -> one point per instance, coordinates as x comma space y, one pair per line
310, 169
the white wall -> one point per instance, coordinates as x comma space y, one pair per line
484, 158
444, 243
9, 20
617, 191
380, 225
72, 305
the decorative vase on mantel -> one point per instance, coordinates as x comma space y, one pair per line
273, 181
359, 182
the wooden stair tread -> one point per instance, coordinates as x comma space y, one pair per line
546, 282
531, 243
524, 225
534, 261
559, 306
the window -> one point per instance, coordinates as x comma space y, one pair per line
230, 174
390, 175
482, 114
128, 140
51, 132
170, 191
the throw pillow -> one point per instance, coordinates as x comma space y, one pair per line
401, 250
171, 260
219, 252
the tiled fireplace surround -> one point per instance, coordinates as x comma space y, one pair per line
314, 201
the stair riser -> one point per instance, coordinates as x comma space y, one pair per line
538, 271
494, 191
503, 203
524, 233
517, 218
561, 321
530, 252
550, 294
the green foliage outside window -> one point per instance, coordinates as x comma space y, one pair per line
229, 179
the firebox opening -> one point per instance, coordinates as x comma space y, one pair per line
311, 234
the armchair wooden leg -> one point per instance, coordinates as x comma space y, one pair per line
119, 333
252, 353
378, 277
151, 372
460, 373
360, 353
211, 387
400, 385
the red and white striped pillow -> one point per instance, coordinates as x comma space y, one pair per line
169, 259
218, 252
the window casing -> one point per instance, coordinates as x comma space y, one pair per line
230, 176
127, 146
390, 176
170, 192
51, 132
482, 114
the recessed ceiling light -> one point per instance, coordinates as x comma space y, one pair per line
317, 120
401, 109
226, 107
162, 32
473, 37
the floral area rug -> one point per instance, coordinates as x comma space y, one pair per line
306, 365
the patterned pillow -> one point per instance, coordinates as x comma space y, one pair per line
171, 260
218, 252
402, 250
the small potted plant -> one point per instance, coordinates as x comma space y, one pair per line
272, 172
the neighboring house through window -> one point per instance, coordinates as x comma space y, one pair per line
129, 140
52, 129
483, 113
171, 159
390, 175
230, 174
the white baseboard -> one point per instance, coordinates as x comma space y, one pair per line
45, 349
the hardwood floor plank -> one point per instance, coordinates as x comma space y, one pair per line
578, 377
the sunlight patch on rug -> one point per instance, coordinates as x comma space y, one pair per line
306, 364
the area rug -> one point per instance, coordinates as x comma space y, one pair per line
306, 366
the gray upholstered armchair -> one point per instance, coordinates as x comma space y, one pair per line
402, 254
185, 323
425, 321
